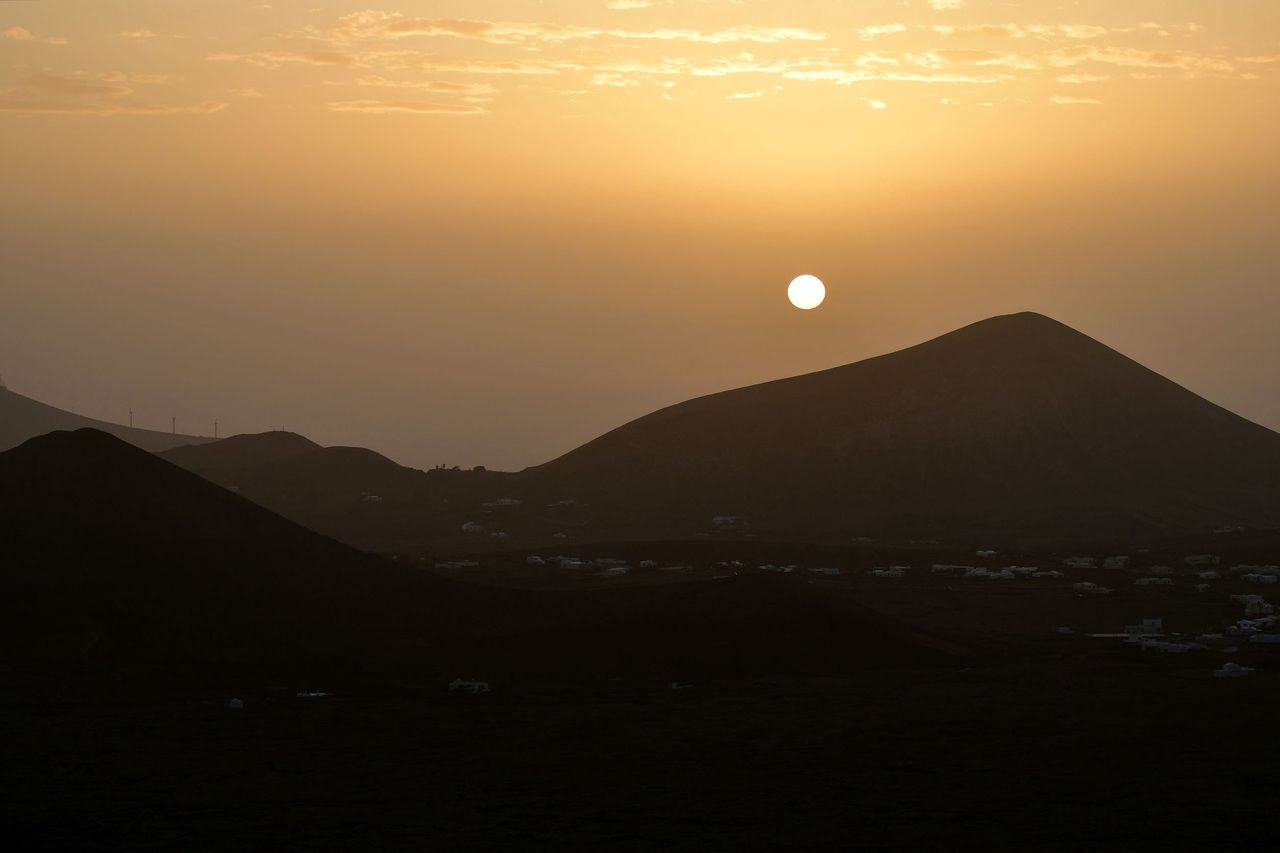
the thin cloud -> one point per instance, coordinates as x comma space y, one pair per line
439, 87
375, 107
24, 34
374, 25
1068, 100
52, 93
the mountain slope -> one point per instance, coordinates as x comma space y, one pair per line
1015, 426
22, 418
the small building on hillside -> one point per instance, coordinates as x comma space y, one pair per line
1233, 670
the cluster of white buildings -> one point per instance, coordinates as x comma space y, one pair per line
605, 567
1261, 626
1008, 573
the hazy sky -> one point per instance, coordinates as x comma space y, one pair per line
483, 232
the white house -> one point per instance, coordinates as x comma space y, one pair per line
1115, 563
1162, 646
648, 564
1265, 638
1208, 576
1233, 670
1153, 582
886, 573
1202, 560
1079, 562
1051, 573
458, 564
1260, 570
535, 561
614, 572
985, 553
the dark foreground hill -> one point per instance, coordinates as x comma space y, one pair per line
118, 564
1015, 427
22, 418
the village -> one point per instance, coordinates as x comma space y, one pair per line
1214, 613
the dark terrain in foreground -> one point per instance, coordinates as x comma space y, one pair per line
810, 711
1074, 750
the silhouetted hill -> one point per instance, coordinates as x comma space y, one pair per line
230, 460
1017, 426
355, 495
116, 559
22, 418
118, 564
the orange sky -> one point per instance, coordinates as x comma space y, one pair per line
484, 232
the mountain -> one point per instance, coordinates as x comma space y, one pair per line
1014, 427
230, 460
120, 566
22, 418
116, 561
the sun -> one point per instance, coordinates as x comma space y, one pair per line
806, 291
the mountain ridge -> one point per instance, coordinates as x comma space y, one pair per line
23, 418
1014, 428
